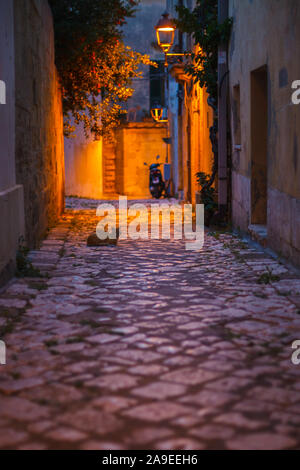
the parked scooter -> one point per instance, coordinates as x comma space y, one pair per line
156, 182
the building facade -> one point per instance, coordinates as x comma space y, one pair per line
263, 64
100, 169
31, 129
11, 194
139, 34
39, 119
190, 119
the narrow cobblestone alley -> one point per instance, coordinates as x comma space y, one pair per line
149, 346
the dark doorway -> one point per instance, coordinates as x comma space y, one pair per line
157, 84
259, 145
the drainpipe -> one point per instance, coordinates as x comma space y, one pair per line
222, 114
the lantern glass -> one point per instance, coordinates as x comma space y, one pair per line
157, 113
165, 38
165, 32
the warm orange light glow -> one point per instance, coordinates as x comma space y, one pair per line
165, 29
157, 114
165, 32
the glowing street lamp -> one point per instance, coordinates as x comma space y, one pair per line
165, 33
157, 113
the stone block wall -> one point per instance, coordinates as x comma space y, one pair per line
39, 121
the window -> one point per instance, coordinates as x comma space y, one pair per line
236, 111
157, 83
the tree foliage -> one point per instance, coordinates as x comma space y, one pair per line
208, 193
95, 67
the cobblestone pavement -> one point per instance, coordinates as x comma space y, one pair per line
149, 346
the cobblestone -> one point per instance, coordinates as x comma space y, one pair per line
147, 345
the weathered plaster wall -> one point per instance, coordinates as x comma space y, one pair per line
11, 195
190, 135
174, 131
201, 120
197, 117
83, 160
7, 111
138, 143
268, 33
190, 120
39, 124
135, 143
